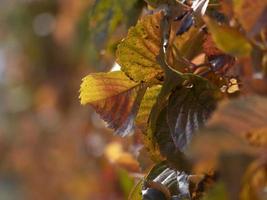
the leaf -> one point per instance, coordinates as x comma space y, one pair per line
115, 98
234, 123
137, 53
136, 193
126, 181
251, 14
189, 106
171, 128
165, 181
147, 103
228, 39
186, 24
241, 116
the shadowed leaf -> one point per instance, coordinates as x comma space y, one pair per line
228, 39
189, 106
115, 98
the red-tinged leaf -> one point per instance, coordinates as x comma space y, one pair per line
115, 98
241, 116
232, 128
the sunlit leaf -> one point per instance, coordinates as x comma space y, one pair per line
115, 97
148, 101
228, 39
136, 193
137, 53
126, 181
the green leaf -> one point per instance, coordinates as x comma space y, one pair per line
126, 181
137, 53
136, 193
229, 39
147, 103
115, 98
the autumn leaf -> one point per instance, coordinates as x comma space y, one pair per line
115, 98
137, 53
228, 39
241, 116
236, 126
147, 103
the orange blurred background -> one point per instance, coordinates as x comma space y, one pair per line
51, 147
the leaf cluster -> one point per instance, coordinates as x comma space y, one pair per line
192, 70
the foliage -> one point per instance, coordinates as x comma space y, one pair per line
192, 72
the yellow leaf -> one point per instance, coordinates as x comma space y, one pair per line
100, 86
115, 98
137, 53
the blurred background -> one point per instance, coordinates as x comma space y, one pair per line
51, 147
